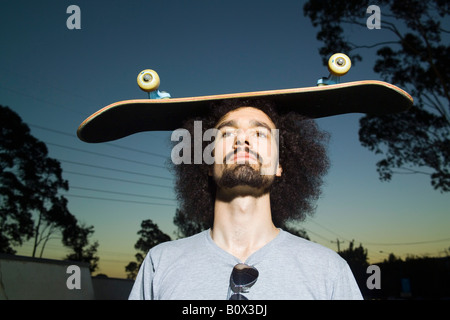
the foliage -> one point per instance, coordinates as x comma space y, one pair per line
355, 255
29, 185
187, 227
150, 236
77, 238
414, 57
357, 260
293, 228
414, 278
30, 203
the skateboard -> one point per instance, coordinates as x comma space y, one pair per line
161, 112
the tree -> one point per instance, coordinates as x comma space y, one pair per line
357, 260
150, 236
77, 238
392, 259
187, 227
415, 57
293, 227
50, 222
355, 256
30, 182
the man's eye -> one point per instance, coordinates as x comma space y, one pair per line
226, 134
261, 134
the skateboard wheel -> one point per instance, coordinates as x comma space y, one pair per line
148, 80
339, 64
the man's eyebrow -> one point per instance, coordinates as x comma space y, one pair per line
253, 124
256, 123
230, 123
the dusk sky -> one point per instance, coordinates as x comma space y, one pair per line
54, 78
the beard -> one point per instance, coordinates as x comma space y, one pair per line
244, 175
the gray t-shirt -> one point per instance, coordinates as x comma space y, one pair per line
290, 268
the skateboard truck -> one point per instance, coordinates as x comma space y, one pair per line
148, 81
338, 65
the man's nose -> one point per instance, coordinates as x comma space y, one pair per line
242, 138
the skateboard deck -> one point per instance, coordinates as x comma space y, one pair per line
124, 118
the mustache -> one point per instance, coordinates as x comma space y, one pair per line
245, 149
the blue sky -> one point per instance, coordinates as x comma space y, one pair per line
54, 78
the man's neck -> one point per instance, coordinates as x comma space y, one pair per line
243, 224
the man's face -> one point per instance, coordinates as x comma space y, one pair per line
246, 150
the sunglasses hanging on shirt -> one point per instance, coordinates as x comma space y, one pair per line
242, 278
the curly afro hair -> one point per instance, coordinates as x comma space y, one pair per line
302, 155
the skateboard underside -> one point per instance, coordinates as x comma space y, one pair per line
123, 118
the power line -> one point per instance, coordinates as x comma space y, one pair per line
115, 170
122, 193
116, 179
407, 243
105, 155
135, 150
52, 87
59, 106
93, 166
112, 169
317, 235
374, 243
331, 231
72, 135
61, 248
54, 105
120, 200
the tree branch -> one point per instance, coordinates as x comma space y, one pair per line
393, 28
373, 45
411, 171
428, 57
354, 22
430, 60
437, 106
36, 243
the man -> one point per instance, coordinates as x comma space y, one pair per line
245, 253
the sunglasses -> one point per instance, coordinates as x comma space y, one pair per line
242, 278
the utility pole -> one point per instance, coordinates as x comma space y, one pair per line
338, 244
